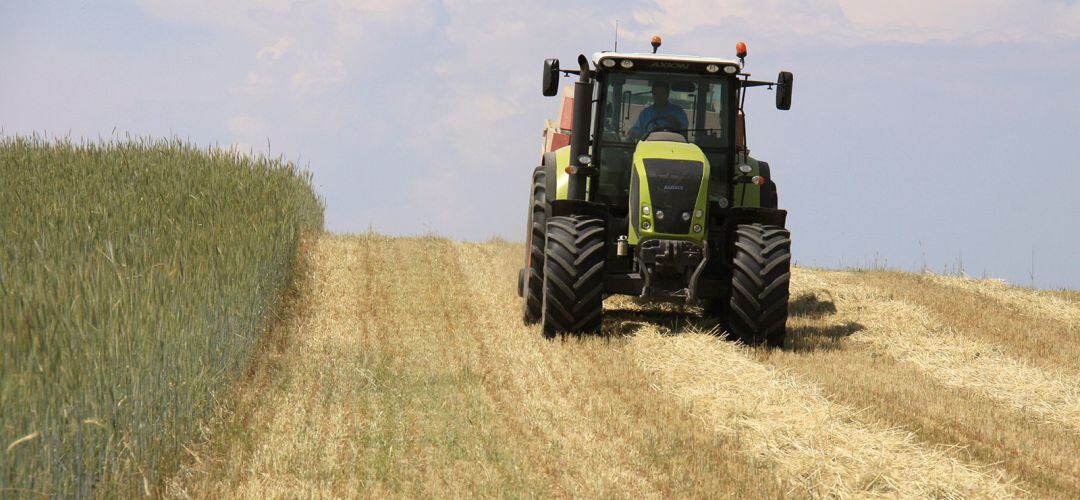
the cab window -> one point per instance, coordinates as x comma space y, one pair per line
694, 107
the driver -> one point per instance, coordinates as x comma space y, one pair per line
661, 114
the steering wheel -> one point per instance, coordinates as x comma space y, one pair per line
663, 128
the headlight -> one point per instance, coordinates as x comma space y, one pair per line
646, 225
626, 64
730, 70
686, 216
697, 228
584, 160
712, 68
745, 168
608, 63
659, 215
698, 213
723, 202
645, 210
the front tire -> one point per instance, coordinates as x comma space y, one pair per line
574, 257
760, 278
531, 277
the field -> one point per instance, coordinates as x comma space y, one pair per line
135, 279
404, 370
174, 323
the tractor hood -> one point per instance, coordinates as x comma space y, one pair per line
668, 192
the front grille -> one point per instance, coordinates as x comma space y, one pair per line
673, 188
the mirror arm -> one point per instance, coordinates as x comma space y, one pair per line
756, 83
742, 96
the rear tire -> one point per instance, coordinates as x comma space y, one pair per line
531, 277
760, 277
573, 275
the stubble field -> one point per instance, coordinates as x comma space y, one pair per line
404, 370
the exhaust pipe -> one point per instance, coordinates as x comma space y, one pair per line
579, 136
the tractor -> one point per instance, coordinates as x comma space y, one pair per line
655, 195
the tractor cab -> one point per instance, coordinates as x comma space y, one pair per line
697, 107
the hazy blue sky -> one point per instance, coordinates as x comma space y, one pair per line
922, 132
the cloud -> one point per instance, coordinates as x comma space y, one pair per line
965, 21
420, 114
297, 56
264, 17
480, 113
318, 71
243, 15
450, 88
275, 51
857, 22
246, 126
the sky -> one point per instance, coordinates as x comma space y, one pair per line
923, 134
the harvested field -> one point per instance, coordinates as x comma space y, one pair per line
406, 371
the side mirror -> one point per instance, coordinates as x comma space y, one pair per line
551, 77
783, 90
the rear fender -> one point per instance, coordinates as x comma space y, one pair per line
748, 194
550, 179
558, 178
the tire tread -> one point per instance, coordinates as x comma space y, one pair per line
574, 278
761, 276
532, 288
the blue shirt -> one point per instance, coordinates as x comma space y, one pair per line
671, 112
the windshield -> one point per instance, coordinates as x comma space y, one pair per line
640, 103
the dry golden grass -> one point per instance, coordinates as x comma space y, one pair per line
855, 342
407, 372
411, 375
1070, 295
900, 395
1038, 304
1031, 325
816, 443
911, 333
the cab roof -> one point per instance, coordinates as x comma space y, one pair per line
599, 56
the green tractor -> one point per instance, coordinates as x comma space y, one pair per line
657, 197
